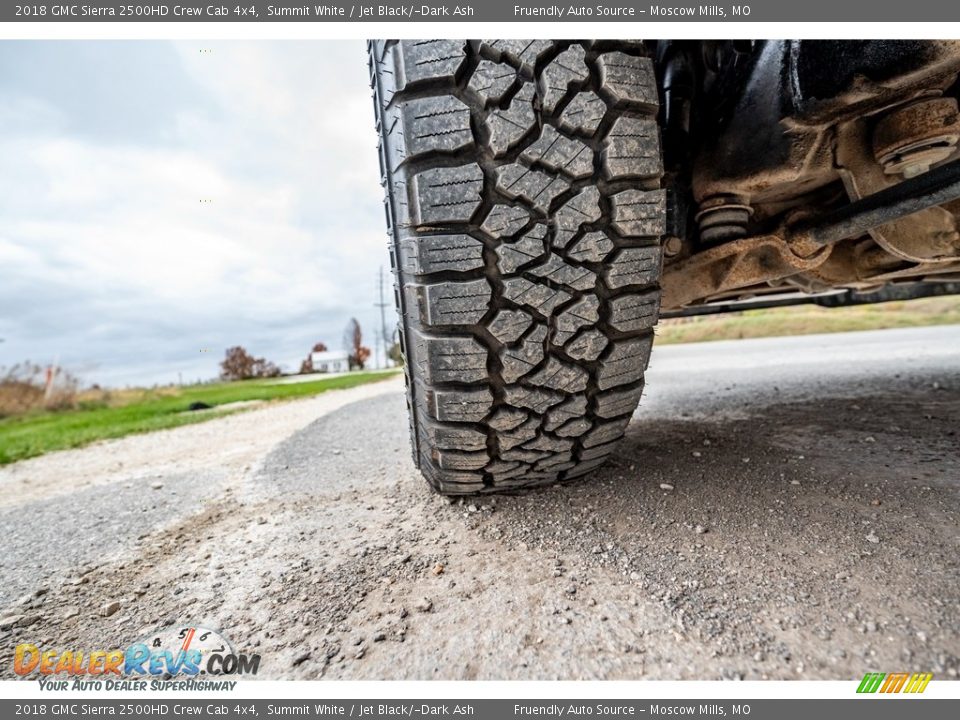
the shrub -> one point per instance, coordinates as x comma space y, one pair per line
26, 387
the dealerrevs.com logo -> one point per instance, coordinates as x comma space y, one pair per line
887, 683
175, 652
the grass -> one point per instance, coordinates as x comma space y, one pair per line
102, 415
809, 319
125, 412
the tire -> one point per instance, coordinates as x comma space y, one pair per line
525, 209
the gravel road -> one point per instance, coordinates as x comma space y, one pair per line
781, 508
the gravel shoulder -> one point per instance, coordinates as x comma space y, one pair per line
231, 444
757, 522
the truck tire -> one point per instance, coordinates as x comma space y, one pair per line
523, 199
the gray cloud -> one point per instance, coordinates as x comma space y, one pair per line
108, 258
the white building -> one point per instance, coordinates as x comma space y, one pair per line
330, 361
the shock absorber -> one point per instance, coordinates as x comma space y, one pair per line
723, 217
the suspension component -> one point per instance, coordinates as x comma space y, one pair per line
723, 217
881, 208
911, 139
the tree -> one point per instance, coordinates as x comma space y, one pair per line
361, 357
265, 369
353, 343
238, 364
319, 347
395, 354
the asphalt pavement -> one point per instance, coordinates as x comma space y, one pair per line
780, 508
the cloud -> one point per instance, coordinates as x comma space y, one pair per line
187, 202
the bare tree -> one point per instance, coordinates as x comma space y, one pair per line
238, 364
265, 369
353, 344
360, 359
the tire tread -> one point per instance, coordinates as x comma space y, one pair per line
522, 182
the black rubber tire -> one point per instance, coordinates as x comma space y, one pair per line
524, 204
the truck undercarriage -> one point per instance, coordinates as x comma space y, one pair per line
799, 169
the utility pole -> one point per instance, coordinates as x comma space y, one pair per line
383, 317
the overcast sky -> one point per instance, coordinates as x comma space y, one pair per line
109, 260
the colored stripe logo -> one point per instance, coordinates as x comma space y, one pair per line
894, 682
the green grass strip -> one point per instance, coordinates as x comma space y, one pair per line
127, 412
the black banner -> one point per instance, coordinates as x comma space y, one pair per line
486, 11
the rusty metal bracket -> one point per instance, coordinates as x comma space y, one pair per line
733, 265
884, 208
930, 234
804, 245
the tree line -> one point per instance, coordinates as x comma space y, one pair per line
239, 364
